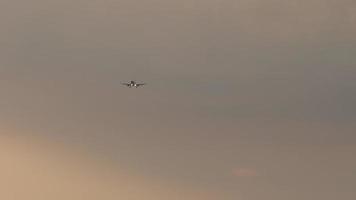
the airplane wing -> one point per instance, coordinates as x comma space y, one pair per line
127, 84
140, 84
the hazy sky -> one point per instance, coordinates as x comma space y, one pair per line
246, 99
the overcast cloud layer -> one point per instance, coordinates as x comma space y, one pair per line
248, 99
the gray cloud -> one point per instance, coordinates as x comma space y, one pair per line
227, 80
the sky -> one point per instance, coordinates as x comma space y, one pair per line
245, 99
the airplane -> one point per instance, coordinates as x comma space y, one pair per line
133, 84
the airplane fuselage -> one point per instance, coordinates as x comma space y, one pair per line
133, 84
